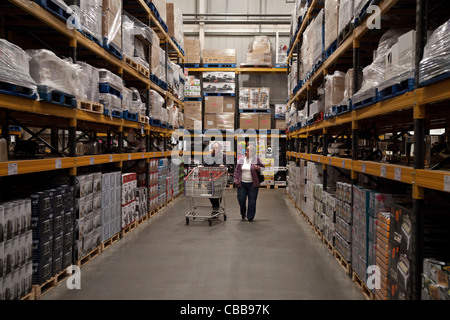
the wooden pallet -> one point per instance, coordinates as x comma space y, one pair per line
29, 296
328, 245
144, 71
280, 186
108, 243
141, 220
143, 119
41, 289
88, 257
133, 64
90, 106
347, 266
128, 228
369, 295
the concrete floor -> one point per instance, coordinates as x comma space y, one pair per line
275, 257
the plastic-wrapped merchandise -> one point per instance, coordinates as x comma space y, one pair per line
112, 22
254, 98
307, 51
160, 6
318, 38
127, 97
331, 22
91, 18
349, 86
156, 105
90, 77
345, 14
137, 106
127, 36
106, 76
244, 98
373, 74
111, 102
175, 23
334, 89
260, 51
264, 98
53, 73
14, 66
358, 6
225, 121
436, 59
164, 115
170, 74
181, 119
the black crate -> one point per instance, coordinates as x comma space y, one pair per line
67, 257
68, 193
58, 199
41, 204
42, 248
57, 264
68, 239
58, 221
42, 227
58, 241
68, 219
42, 271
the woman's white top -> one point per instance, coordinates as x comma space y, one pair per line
246, 174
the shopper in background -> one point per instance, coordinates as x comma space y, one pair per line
215, 159
247, 181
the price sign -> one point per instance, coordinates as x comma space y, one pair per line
92, 161
383, 171
12, 168
58, 164
398, 174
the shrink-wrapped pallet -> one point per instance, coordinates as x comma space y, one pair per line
112, 23
90, 78
331, 22
436, 59
345, 14
91, 18
52, 73
14, 66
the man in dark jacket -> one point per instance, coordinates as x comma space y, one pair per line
215, 159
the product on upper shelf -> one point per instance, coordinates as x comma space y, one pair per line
345, 16
175, 23
331, 22
14, 66
436, 58
334, 90
259, 51
90, 76
52, 73
112, 23
91, 18
254, 98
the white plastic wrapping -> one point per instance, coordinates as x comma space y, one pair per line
56, 74
127, 36
111, 102
345, 14
137, 106
90, 82
127, 98
160, 6
331, 22
358, 6
260, 51
156, 105
373, 74
436, 59
318, 37
112, 22
106, 76
14, 66
91, 18
334, 90
175, 23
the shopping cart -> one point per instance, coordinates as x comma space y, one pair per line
205, 182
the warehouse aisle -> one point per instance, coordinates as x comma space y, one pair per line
276, 257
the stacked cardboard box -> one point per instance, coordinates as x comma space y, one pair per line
88, 213
128, 201
153, 185
331, 22
254, 98
219, 82
175, 23
436, 280
193, 51
112, 23
163, 167
111, 197
219, 56
259, 52
193, 87
329, 199
382, 253
16, 242
193, 115
343, 220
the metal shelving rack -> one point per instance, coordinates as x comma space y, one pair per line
76, 45
414, 110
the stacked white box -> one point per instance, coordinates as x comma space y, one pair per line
16, 242
162, 181
128, 199
111, 195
